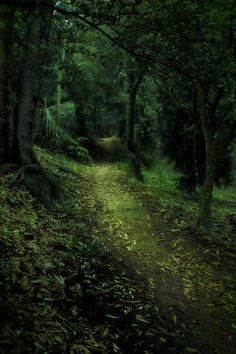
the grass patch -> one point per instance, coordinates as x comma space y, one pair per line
163, 193
163, 180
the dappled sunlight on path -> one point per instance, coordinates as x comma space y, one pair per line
186, 285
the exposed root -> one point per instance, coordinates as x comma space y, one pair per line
40, 183
20, 175
8, 167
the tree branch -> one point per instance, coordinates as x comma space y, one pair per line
142, 57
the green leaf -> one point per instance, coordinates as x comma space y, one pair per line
141, 319
191, 350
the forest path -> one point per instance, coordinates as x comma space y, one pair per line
187, 287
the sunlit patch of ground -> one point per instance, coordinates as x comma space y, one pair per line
192, 285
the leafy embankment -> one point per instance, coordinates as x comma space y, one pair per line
60, 291
166, 198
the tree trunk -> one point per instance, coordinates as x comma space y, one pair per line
81, 128
59, 73
3, 68
207, 190
132, 148
195, 133
122, 128
95, 123
30, 83
208, 122
6, 101
16, 135
33, 175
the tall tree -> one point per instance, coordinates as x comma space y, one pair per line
208, 117
59, 78
17, 145
6, 94
134, 80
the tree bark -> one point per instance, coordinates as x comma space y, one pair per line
208, 122
207, 190
3, 66
59, 73
81, 128
39, 29
132, 148
33, 175
122, 128
195, 121
6, 96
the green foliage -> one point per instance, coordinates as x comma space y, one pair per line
48, 133
163, 179
56, 136
76, 151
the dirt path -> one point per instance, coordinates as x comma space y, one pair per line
187, 286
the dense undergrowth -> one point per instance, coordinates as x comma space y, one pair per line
60, 290
162, 181
191, 251
56, 134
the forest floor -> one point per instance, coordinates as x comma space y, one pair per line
113, 268
185, 282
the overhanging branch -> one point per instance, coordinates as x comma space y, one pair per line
34, 4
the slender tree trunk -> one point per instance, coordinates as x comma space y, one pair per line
59, 73
81, 128
208, 122
122, 128
207, 190
95, 123
195, 137
132, 148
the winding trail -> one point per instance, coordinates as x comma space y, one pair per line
187, 287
